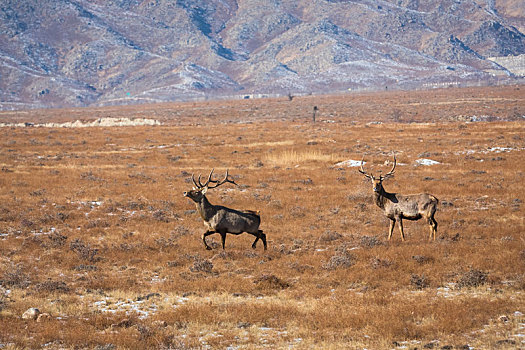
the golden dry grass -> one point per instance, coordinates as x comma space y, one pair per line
94, 229
296, 158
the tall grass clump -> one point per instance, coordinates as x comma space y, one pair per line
294, 157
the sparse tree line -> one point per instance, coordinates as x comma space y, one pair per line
224, 220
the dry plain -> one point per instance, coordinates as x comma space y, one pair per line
95, 232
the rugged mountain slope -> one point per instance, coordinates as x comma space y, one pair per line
87, 52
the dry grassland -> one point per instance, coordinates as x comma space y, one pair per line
95, 232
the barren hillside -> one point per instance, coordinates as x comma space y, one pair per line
69, 53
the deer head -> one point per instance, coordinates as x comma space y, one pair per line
200, 189
377, 182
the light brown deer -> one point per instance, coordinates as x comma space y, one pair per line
398, 207
223, 220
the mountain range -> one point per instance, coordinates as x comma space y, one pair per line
68, 53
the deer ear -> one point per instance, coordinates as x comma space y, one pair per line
204, 190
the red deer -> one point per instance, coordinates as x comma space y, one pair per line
398, 207
223, 220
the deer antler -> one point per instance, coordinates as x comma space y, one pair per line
223, 181
199, 185
195, 182
362, 171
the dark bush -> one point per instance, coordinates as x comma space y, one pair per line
161, 215
270, 282
341, 259
370, 241
83, 267
421, 259
472, 278
84, 251
15, 277
377, 263
201, 265
419, 282
52, 286
56, 239
329, 236
3, 300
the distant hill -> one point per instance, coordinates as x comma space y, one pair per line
59, 53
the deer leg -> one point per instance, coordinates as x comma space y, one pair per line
254, 244
223, 238
392, 223
259, 235
263, 238
433, 227
204, 235
400, 223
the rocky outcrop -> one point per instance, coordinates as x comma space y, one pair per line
514, 64
100, 122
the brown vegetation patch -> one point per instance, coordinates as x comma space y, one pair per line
342, 258
201, 265
52, 287
419, 282
472, 278
95, 231
270, 282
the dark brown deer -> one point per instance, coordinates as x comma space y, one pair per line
398, 207
223, 220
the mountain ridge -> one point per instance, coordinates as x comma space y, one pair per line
69, 53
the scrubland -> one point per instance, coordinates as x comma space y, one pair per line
95, 232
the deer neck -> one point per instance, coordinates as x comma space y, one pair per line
206, 209
381, 198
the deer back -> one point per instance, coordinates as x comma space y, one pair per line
409, 206
235, 221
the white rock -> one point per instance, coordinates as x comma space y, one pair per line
424, 161
31, 314
350, 163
